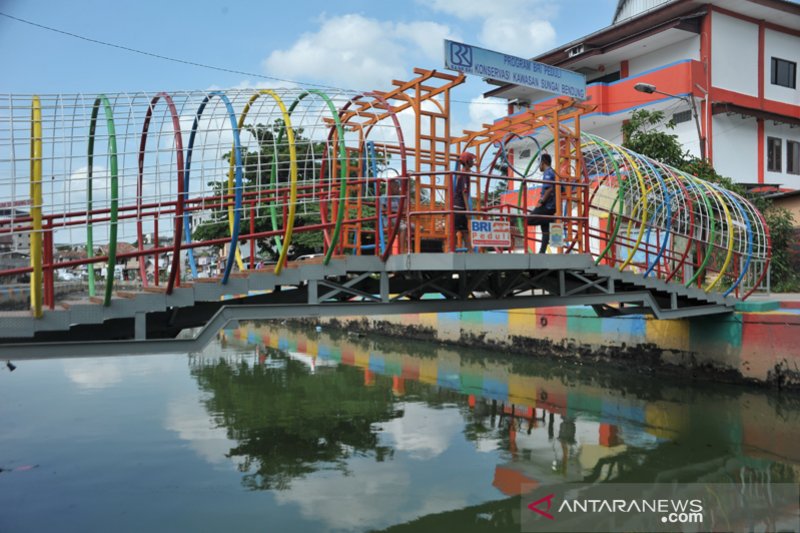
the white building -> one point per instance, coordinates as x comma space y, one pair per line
10, 218
735, 59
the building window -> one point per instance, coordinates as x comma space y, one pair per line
793, 157
773, 154
608, 78
683, 116
784, 73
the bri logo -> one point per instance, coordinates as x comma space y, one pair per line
535, 506
460, 55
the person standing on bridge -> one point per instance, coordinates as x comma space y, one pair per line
461, 193
546, 207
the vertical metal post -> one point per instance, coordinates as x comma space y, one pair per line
252, 240
313, 292
384, 286
140, 326
49, 285
36, 207
156, 262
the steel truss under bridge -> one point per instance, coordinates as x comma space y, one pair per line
350, 286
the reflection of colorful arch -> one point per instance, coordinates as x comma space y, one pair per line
112, 237
237, 152
179, 209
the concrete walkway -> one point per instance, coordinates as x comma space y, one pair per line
771, 302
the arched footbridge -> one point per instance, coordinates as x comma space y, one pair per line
170, 210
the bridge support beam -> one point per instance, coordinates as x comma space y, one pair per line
140, 326
384, 287
313, 292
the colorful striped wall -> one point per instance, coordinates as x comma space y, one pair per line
758, 345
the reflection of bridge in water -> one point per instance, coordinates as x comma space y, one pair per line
552, 426
152, 186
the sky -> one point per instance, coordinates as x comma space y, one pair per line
354, 44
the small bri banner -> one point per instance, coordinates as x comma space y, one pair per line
491, 233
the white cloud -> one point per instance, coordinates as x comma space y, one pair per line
384, 493
519, 27
471, 9
377, 494
356, 52
485, 111
93, 373
369, 494
101, 373
427, 36
519, 38
423, 432
191, 422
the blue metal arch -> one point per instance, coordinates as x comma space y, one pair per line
748, 230
237, 148
667, 231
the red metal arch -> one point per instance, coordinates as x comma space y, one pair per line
179, 206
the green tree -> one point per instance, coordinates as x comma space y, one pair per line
643, 134
289, 422
257, 169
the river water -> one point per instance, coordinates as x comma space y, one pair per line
279, 428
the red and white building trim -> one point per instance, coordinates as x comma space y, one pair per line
722, 53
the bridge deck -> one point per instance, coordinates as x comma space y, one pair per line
356, 285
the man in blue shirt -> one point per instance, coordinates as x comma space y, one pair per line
461, 193
546, 207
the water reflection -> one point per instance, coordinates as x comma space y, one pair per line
364, 433
289, 422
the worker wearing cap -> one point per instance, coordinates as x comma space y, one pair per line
461, 192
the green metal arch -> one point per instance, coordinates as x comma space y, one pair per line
112, 237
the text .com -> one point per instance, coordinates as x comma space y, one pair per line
683, 518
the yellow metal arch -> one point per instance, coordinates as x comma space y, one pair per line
287, 120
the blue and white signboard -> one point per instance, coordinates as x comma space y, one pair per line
491, 233
503, 67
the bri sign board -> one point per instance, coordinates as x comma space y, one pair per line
491, 233
511, 69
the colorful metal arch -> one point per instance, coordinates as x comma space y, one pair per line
112, 238
403, 173
748, 252
237, 152
289, 130
180, 201
342, 157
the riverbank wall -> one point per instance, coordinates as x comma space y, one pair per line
759, 343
